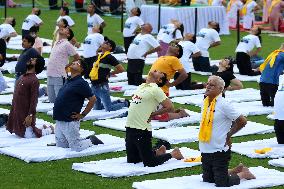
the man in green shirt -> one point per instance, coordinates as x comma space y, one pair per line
143, 107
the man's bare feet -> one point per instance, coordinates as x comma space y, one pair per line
161, 150
44, 126
246, 174
52, 129
177, 154
236, 170
183, 113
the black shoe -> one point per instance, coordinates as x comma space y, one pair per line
94, 140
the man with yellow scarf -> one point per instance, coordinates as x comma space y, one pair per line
271, 69
219, 122
99, 75
247, 13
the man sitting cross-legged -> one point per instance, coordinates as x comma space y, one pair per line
138, 128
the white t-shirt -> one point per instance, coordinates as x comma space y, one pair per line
204, 38
93, 21
6, 30
140, 45
189, 48
279, 104
68, 18
249, 17
247, 43
224, 114
232, 13
131, 24
91, 44
166, 33
31, 21
217, 3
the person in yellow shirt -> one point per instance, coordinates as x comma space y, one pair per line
170, 64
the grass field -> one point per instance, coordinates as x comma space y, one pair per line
16, 174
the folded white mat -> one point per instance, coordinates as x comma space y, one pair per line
118, 167
119, 123
8, 139
248, 148
242, 95
39, 151
190, 134
264, 178
277, 162
247, 78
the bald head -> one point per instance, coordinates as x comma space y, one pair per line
188, 36
147, 28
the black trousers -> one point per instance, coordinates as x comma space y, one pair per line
134, 71
139, 148
267, 93
279, 130
244, 64
215, 169
127, 42
202, 64
89, 62
186, 84
3, 49
25, 32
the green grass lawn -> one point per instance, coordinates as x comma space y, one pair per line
15, 173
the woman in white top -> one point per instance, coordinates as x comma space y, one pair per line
245, 50
131, 25
232, 11
247, 12
169, 33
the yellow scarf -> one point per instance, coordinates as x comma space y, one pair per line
274, 2
230, 5
244, 9
94, 74
210, 2
206, 123
271, 59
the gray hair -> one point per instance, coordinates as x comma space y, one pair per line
220, 81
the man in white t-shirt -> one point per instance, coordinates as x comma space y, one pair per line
58, 59
91, 45
64, 13
219, 122
6, 31
206, 38
142, 45
32, 20
279, 115
232, 10
189, 50
247, 12
94, 19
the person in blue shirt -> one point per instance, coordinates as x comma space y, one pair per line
271, 69
67, 110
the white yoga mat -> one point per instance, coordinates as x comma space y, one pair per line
264, 178
247, 148
242, 95
277, 162
8, 139
190, 134
40, 152
247, 78
271, 116
121, 87
4, 111
9, 66
118, 167
118, 77
119, 123
6, 99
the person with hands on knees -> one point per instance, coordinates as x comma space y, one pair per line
67, 110
219, 122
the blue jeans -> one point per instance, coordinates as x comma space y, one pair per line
101, 91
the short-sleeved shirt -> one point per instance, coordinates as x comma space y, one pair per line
168, 65
68, 18
279, 104
189, 48
271, 75
31, 21
217, 3
71, 98
166, 33
227, 76
140, 45
204, 38
130, 25
91, 44
93, 21
5, 30
224, 115
144, 101
27, 54
104, 69
247, 43
59, 58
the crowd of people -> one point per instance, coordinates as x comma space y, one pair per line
67, 87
